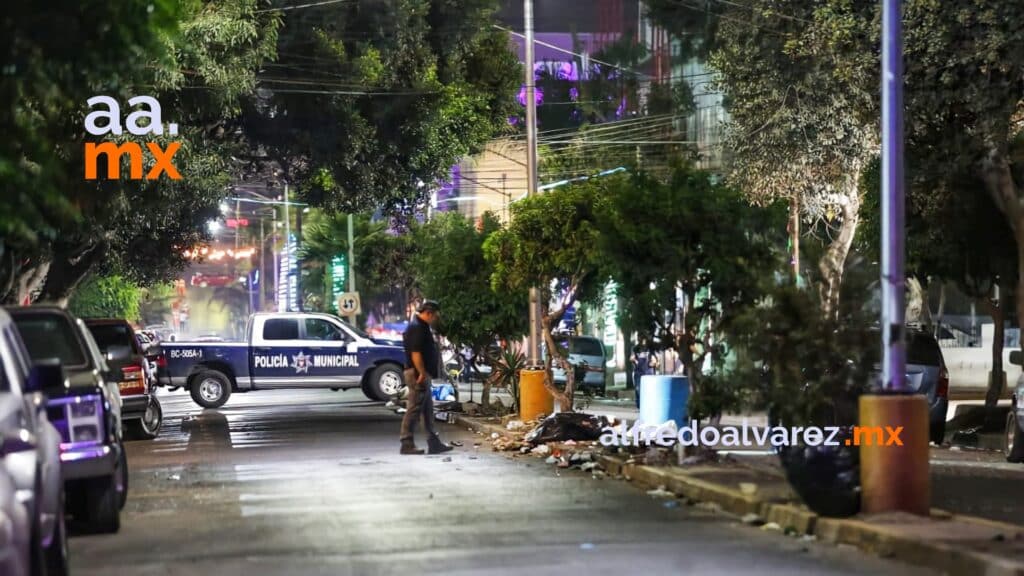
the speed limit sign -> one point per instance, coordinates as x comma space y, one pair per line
348, 304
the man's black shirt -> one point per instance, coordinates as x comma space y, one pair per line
418, 338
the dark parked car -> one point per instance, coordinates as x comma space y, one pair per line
927, 374
140, 409
87, 415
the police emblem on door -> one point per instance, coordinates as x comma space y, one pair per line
301, 363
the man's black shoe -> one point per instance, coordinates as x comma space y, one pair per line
435, 446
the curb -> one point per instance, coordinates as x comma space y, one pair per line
876, 537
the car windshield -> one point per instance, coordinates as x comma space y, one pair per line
107, 335
51, 336
586, 347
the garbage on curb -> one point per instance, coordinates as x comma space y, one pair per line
661, 492
565, 426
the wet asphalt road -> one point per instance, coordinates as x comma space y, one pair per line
310, 482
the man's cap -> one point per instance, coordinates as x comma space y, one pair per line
429, 306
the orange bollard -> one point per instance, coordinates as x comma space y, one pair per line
534, 398
894, 477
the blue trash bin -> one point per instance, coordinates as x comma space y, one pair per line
664, 398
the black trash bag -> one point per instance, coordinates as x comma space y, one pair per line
827, 478
567, 426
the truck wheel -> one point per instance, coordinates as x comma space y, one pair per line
147, 427
102, 506
1013, 444
210, 388
384, 383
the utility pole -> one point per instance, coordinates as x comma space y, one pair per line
531, 167
298, 263
894, 477
263, 269
287, 252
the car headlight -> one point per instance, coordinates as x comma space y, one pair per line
85, 433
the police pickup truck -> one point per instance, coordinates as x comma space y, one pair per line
284, 350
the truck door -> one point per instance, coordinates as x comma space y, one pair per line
278, 360
332, 355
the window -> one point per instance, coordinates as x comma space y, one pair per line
320, 329
922, 349
51, 336
281, 329
107, 335
586, 347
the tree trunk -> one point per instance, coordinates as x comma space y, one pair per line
942, 310
832, 263
564, 398
995, 383
67, 270
29, 281
998, 178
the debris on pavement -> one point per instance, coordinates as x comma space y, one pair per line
752, 519
671, 504
550, 460
588, 466
564, 426
515, 425
661, 492
446, 459
772, 526
541, 450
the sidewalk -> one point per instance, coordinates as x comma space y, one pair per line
756, 490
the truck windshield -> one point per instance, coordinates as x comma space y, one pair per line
51, 336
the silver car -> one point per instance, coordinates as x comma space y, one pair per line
587, 352
31, 484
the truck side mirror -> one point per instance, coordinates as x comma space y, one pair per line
1016, 358
18, 440
47, 376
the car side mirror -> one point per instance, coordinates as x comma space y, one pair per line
48, 377
1017, 358
119, 354
18, 440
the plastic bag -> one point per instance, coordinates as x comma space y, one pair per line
567, 426
443, 392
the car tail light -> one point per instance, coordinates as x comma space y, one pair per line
134, 380
84, 416
942, 388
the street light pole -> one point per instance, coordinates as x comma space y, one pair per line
531, 166
894, 477
287, 251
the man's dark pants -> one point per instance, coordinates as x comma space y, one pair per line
420, 402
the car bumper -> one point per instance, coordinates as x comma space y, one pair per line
134, 406
88, 462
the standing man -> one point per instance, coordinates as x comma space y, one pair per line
421, 364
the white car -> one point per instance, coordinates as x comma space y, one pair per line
31, 485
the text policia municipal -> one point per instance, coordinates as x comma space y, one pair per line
745, 435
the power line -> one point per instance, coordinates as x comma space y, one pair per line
284, 8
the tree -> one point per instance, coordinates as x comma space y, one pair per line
450, 267
957, 235
804, 120
382, 260
198, 70
699, 238
372, 102
107, 297
552, 243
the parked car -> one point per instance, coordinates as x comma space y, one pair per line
927, 375
136, 379
1013, 443
584, 351
31, 486
87, 415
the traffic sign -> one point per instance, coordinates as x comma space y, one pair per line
348, 304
